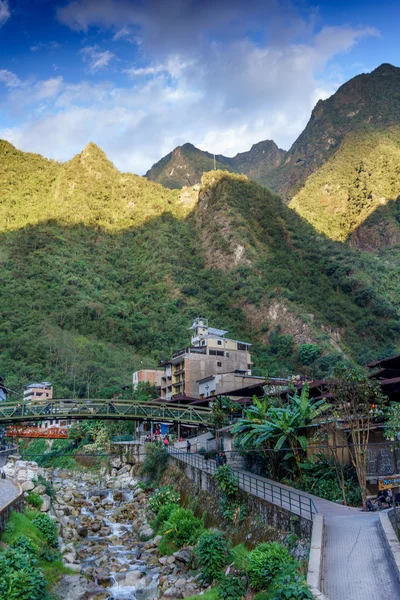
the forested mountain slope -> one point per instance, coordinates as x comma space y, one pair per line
186, 164
102, 272
362, 176
342, 167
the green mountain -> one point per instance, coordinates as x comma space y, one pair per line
342, 168
185, 165
362, 176
371, 99
102, 272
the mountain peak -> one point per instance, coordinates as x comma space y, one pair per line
386, 69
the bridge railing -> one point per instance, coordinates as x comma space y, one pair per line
17, 412
290, 500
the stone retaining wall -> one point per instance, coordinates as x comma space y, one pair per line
17, 504
263, 514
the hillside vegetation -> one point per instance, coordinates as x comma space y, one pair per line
102, 273
341, 168
363, 175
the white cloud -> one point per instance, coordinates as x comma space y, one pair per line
4, 12
199, 76
9, 79
96, 59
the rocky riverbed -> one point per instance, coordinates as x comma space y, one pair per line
106, 538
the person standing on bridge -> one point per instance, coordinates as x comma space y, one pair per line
188, 446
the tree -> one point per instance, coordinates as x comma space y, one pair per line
247, 430
356, 402
282, 427
222, 408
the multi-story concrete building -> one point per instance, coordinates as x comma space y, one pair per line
36, 392
221, 383
211, 353
152, 376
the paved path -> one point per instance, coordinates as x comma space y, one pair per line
8, 491
356, 564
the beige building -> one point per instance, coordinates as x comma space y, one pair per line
221, 383
210, 354
152, 376
36, 392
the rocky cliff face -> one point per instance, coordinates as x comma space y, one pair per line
371, 99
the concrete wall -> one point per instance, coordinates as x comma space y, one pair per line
264, 513
17, 505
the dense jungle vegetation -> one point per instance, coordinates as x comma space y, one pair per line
102, 273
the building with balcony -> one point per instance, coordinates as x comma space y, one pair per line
36, 392
211, 353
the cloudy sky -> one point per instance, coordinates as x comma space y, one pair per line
139, 77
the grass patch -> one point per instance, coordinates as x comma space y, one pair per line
208, 595
167, 547
19, 524
53, 571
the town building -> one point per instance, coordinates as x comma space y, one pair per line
211, 353
34, 392
151, 376
222, 383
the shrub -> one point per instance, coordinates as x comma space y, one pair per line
23, 585
20, 578
262, 596
226, 481
231, 588
161, 497
308, 353
212, 554
25, 545
266, 562
291, 586
47, 526
240, 555
183, 527
164, 514
34, 500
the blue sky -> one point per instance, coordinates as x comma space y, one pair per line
141, 77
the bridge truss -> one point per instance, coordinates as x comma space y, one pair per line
12, 413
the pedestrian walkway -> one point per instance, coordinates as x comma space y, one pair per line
356, 564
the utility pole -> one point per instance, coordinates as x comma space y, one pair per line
215, 166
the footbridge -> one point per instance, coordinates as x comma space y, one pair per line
13, 413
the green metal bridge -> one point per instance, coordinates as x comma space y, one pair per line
13, 413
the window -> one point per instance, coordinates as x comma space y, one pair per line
219, 363
249, 366
219, 342
241, 346
220, 353
212, 352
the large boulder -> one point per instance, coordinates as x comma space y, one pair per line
185, 555
27, 486
72, 587
46, 503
